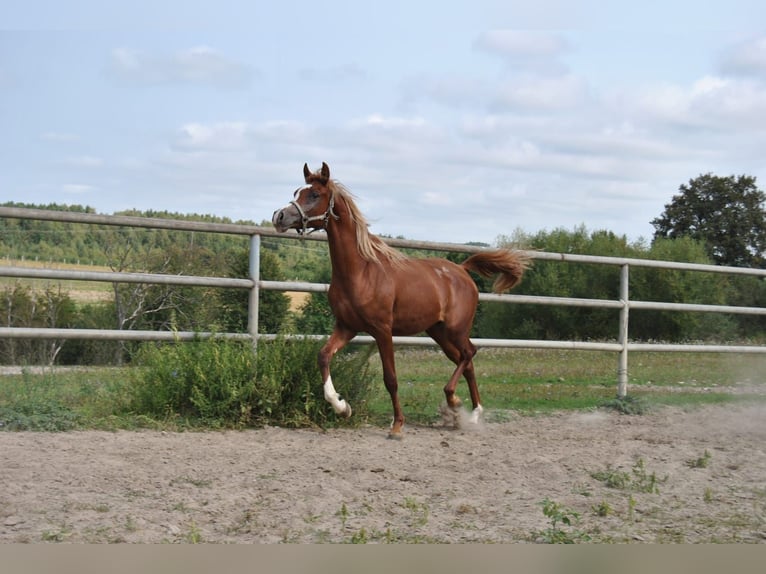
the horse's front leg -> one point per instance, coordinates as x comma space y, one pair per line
340, 336
386, 349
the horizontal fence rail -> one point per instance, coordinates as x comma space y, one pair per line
622, 345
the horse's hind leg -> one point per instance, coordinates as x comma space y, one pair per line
473, 387
462, 355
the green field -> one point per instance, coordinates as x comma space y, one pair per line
531, 381
522, 381
79, 291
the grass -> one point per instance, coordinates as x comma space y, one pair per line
523, 381
533, 381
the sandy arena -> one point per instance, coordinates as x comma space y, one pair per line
437, 485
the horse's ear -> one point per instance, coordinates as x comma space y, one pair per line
325, 172
306, 172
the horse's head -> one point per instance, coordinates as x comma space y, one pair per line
312, 205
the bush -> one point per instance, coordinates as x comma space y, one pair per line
210, 379
290, 366
223, 383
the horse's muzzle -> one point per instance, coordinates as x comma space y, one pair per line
282, 220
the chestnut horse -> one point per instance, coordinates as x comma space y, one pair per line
379, 290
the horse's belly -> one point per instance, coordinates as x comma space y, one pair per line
415, 316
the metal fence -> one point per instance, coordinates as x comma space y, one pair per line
253, 283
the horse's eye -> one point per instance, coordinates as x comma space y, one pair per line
313, 194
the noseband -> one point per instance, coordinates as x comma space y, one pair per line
325, 217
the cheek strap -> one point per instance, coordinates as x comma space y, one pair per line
325, 217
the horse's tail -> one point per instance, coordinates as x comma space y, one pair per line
509, 264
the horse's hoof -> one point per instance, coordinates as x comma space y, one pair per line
456, 403
450, 415
395, 435
347, 413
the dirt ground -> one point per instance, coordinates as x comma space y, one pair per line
484, 484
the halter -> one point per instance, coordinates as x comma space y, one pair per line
325, 217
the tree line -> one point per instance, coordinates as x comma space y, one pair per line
681, 234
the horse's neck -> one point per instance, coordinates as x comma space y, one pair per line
347, 263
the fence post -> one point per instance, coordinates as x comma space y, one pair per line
622, 369
255, 275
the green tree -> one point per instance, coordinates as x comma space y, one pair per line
725, 213
557, 279
22, 307
676, 286
315, 316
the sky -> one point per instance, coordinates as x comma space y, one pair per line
449, 121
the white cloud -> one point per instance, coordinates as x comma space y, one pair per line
390, 123
711, 103
199, 65
540, 93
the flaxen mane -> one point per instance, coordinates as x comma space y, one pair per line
371, 247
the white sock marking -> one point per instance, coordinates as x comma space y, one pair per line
331, 396
476, 414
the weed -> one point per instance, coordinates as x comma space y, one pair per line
343, 514
631, 508
198, 482
627, 405
700, 462
559, 515
612, 478
193, 534
311, 518
639, 480
59, 535
38, 414
602, 509
643, 481
419, 511
245, 524
708, 495
582, 489
466, 509
670, 535
359, 537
